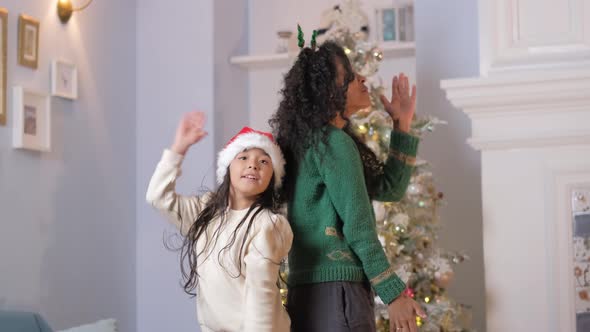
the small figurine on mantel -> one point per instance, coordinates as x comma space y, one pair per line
343, 18
286, 43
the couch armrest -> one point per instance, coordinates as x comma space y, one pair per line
21, 321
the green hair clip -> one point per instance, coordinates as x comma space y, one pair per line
301, 41
313, 42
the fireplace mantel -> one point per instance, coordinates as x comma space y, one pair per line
525, 109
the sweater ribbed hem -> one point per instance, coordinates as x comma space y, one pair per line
340, 273
388, 290
404, 142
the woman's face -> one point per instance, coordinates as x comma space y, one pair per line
357, 95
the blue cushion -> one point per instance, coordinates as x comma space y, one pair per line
20, 321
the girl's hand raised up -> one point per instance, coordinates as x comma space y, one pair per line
402, 106
190, 130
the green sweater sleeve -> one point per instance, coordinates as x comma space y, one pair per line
392, 185
340, 167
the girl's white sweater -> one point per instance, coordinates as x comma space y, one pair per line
227, 299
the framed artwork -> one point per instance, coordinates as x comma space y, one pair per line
64, 79
395, 23
386, 20
28, 41
406, 23
3, 34
31, 120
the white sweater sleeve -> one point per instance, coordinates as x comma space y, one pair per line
269, 246
161, 193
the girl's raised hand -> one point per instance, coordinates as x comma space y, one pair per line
402, 106
190, 130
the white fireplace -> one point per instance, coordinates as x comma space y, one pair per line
530, 116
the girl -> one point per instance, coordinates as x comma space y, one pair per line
233, 238
331, 177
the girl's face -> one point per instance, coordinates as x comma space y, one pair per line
250, 173
357, 95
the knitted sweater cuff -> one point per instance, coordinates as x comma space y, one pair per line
390, 288
172, 157
404, 143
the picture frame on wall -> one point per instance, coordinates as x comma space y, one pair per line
64, 79
395, 22
31, 120
406, 22
28, 41
386, 24
3, 67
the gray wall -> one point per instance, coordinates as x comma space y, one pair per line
231, 82
174, 75
447, 47
67, 217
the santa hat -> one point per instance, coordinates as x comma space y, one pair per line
249, 138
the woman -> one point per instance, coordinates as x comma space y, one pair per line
336, 257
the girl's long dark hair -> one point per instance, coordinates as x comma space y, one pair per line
216, 207
311, 98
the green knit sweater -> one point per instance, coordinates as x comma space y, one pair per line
334, 228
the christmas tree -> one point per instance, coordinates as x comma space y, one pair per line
407, 229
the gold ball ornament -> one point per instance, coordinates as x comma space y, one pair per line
419, 321
375, 138
444, 279
363, 129
377, 54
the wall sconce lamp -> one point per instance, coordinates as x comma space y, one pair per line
65, 9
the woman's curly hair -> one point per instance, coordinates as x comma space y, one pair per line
311, 98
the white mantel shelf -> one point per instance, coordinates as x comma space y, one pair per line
390, 51
525, 110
